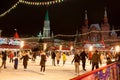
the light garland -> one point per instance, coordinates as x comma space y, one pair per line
41, 3
31, 3
13, 7
61, 35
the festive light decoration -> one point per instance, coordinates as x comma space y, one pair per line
83, 33
41, 3
46, 3
13, 7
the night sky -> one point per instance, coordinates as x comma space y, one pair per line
65, 17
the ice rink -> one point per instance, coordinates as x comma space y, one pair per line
58, 72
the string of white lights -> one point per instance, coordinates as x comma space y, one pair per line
61, 35
31, 3
41, 3
13, 7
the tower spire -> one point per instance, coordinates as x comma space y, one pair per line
86, 18
47, 16
46, 28
105, 16
113, 31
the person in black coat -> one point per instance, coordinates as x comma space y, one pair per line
25, 58
96, 60
76, 61
83, 56
4, 58
43, 61
15, 62
53, 55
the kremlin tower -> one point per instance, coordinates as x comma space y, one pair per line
46, 28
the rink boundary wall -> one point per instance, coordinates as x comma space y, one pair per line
111, 71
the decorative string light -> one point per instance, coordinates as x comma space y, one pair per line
41, 3
46, 3
83, 33
13, 7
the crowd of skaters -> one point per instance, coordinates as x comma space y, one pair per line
25, 55
95, 57
80, 56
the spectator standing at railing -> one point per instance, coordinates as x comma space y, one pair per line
96, 60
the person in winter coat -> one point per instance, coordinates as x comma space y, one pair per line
76, 61
58, 56
83, 56
96, 60
11, 55
15, 62
4, 58
43, 61
90, 56
64, 57
25, 58
53, 55
108, 61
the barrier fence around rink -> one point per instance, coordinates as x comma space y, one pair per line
109, 72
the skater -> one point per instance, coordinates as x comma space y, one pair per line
96, 60
76, 61
83, 56
64, 58
4, 58
53, 55
15, 62
11, 55
58, 56
43, 61
25, 58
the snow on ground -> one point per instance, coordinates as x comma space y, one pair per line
60, 72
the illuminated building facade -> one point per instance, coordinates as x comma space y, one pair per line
96, 32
